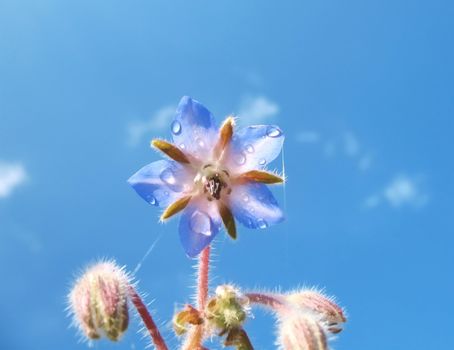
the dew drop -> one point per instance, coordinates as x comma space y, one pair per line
182, 146
200, 142
168, 177
201, 223
176, 127
262, 161
250, 149
152, 200
262, 223
240, 159
246, 198
272, 131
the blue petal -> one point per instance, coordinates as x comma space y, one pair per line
194, 129
254, 147
161, 183
199, 224
254, 206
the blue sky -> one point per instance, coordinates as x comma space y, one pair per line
364, 91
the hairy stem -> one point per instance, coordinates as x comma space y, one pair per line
195, 337
150, 325
202, 282
267, 300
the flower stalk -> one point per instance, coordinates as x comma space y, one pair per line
195, 337
266, 300
150, 325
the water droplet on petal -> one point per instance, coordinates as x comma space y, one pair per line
262, 161
201, 223
168, 176
176, 127
152, 200
182, 146
272, 131
246, 198
240, 159
250, 149
262, 223
200, 142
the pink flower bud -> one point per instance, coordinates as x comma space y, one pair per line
331, 314
99, 301
301, 331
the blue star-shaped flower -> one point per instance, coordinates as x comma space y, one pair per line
214, 175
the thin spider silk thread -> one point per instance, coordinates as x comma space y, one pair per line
283, 174
284, 192
152, 246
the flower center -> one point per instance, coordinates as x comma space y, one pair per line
214, 181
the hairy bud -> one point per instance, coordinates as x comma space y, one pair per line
301, 331
331, 314
227, 310
99, 301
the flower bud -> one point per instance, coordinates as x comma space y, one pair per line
99, 301
301, 331
227, 310
331, 314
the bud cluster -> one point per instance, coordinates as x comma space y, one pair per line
99, 301
227, 309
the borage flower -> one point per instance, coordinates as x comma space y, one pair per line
215, 175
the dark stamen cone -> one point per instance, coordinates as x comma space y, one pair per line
225, 136
170, 150
260, 176
228, 220
175, 207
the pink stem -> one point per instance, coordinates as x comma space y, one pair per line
202, 284
156, 337
268, 300
195, 337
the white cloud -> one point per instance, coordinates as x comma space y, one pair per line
258, 110
161, 119
11, 176
308, 136
404, 190
400, 191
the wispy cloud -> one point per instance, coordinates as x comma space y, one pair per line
258, 110
401, 191
343, 144
160, 120
12, 175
